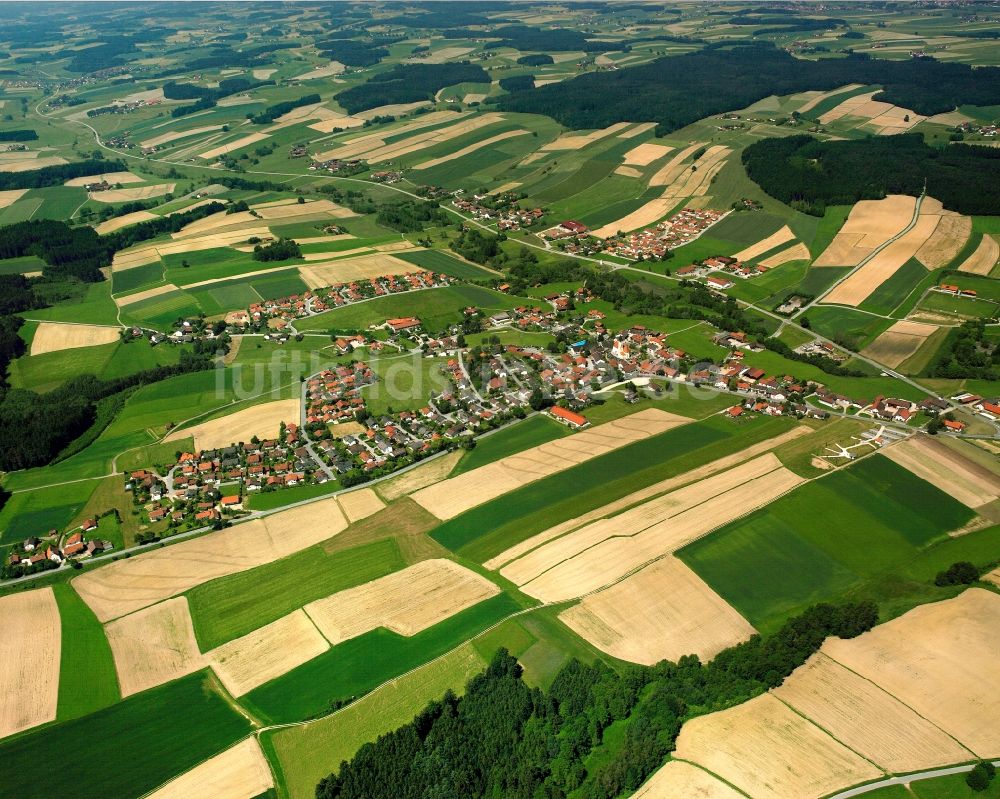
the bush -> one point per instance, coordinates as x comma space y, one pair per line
981, 776
961, 573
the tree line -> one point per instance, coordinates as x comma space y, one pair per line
675, 91
809, 174
272, 112
502, 738
59, 174
408, 83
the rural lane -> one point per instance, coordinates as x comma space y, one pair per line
905, 780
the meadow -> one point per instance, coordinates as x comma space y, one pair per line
876, 517
149, 740
352, 668
233, 606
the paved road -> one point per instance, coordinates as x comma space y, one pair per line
904, 780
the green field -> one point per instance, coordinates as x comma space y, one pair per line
490, 528
152, 737
36, 512
233, 606
447, 264
126, 280
875, 517
510, 440
87, 678
354, 667
308, 753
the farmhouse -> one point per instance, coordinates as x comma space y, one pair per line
568, 418
716, 282
403, 324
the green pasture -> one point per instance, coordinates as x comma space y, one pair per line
354, 667
138, 277
152, 737
18, 266
447, 264
36, 512
92, 305
952, 786
233, 606
854, 533
885, 298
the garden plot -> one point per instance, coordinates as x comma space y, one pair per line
258, 420
129, 195
128, 585
942, 660
662, 612
244, 141
779, 237
456, 495
644, 494
472, 148
870, 224
679, 780
898, 343
859, 286
29, 660
53, 337
240, 772
118, 222
259, 657
646, 153
770, 752
108, 177
360, 504
154, 645
606, 551
361, 267
864, 717
405, 602
982, 261
797, 252
968, 482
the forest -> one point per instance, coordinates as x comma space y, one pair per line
678, 90
502, 738
272, 112
809, 174
352, 53
68, 252
58, 175
408, 83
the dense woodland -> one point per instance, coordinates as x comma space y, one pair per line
408, 83
502, 738
68, 252
968, 353
352, 52
809, 174
676, 91
58, 175
272, 112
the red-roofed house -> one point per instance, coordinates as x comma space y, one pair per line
568, 417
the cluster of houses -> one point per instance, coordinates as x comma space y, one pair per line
121, 107
334, 395
569, 228
387, 177
653, 243
283, 311
987, 408
54, 549
950, 288
719, 270
502, 209
333, 166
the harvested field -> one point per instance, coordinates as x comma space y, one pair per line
424, 475
118, 222
129, 259
576, 141
607, 550
867, 719
166, 138
947, 240
628, 171
267, 653
11, 196
679, 780
128, 585
472, 148
797, 252
884, 117
898, 343
128, 195
229, 147
645, 154
405, 602
331, 69
29, 660
662, 612
241, 772
816, 98
942, 660
473, 98
968, 482
360, 504
148, 294
53, 336
770, 752
993, 577
361, 267
29, 162
670, 171
108, 177
982, 261
334, 123
870, 224
261, 420
777, 238
857, 288
670, 484
370, 141
154, 645
305, 209
394, 110
458, 494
